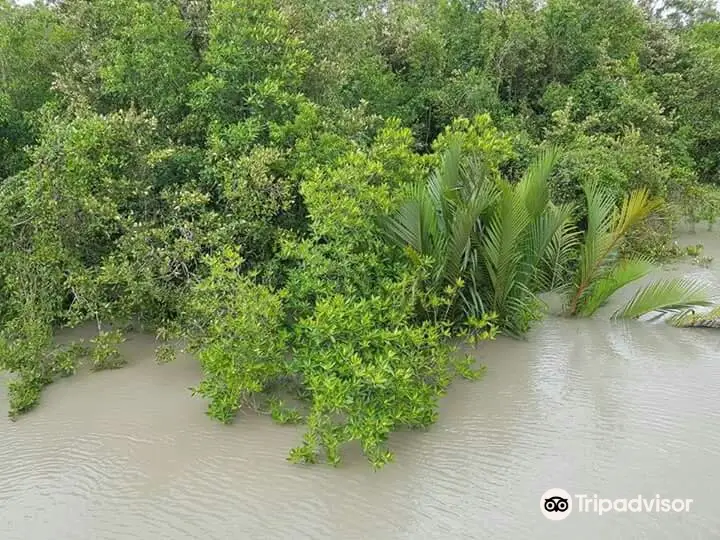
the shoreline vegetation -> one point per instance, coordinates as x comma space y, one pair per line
320, 198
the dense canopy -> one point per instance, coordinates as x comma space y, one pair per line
314, 196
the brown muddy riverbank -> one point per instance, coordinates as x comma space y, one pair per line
591, 406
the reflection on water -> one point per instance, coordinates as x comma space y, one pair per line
617, 409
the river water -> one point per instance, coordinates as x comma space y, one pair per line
590, 406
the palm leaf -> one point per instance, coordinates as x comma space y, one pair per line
457, 247
544, 217
607, 227
635, 208
444, 185
406, 227
561, 251
501, 239
533, 187
471, 294
624, 273
664, 296
597, 240
543, 240
600, 209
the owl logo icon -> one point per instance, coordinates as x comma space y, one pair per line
556, 504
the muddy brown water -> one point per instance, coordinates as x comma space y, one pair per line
590, 406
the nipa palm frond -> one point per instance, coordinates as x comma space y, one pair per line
444, 185
600, 208
607, 227
624, 273
550, 235
665, 296
554, 267
459, 240
635, 207
597, 240
471, 295
441, 217
501, 244
407, 227
533, 187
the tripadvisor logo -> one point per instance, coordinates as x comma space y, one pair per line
556, 504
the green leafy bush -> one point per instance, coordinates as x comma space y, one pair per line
370, 371
236, 330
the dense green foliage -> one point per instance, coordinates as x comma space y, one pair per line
499, 243
318, 196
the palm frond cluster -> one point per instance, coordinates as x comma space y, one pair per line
500, 244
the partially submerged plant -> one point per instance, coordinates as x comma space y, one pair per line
692, 200
495, 245
705, 261
666, 296
689, 319
105, 353
601, 272
440, 221
525, 246
710, 207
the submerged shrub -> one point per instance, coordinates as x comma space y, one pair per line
24, 393
105, 353
370, 371
236, 331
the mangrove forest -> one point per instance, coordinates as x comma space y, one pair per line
326, 201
